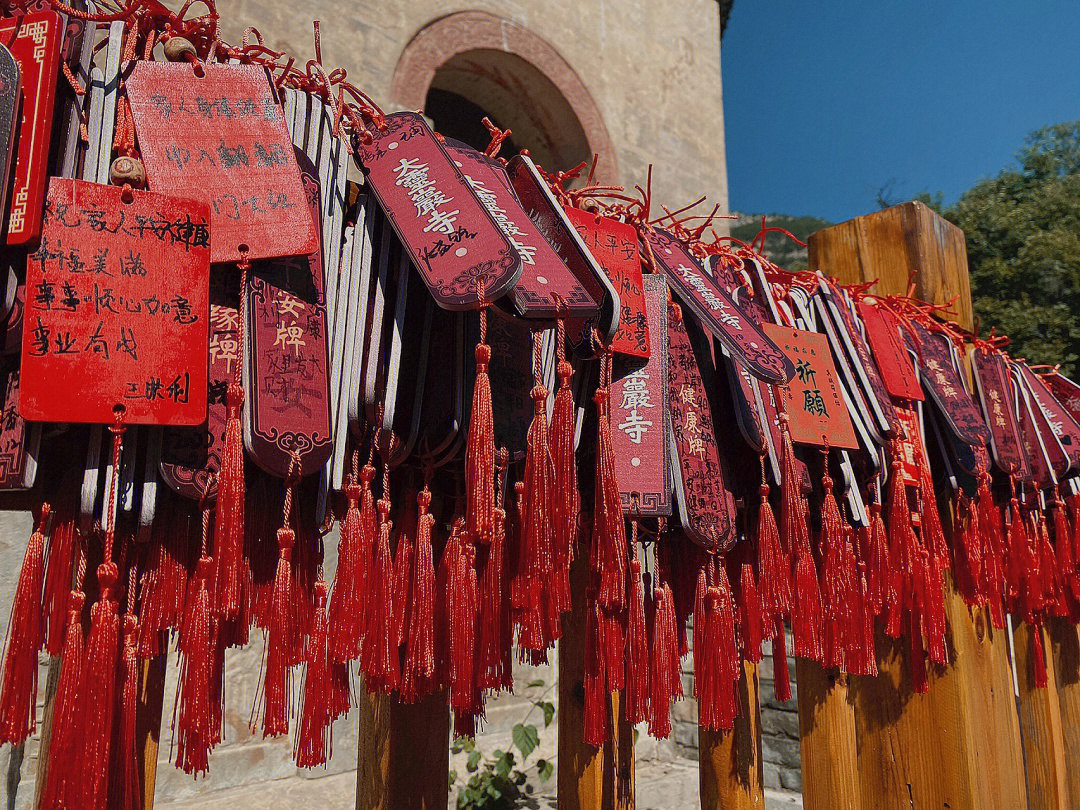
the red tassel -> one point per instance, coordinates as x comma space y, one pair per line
750, 614
861, 656
313, 744
835, 590
566, 500
98, 698
664, 680
480, 448
194, 724
637, 652
402, 572
716, 665
781, 676
63, 774
1063, 546
59, 568
595, 721
1038, 656
967, 551
165, 582
276, 677
379, 658
124, 787
346, 606
933, 534
494, 661
418, 675
229, 513
26, 635
464, 607
902, 541
609, 529
806, 618
877, 562
774, 566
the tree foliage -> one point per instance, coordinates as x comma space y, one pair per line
1023, 242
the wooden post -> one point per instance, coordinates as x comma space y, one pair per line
589, 778
729, 762
1065, 643
148, 722
403, 759
1040, 726
957, 746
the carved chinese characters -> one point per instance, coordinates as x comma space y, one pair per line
812, 399
614, 245
639, 416
717, 312
706, 508
221, 138
34, 41
451, 238
117, 308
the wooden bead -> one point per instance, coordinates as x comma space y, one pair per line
127, 170
178, 49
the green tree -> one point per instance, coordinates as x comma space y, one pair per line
1023, 242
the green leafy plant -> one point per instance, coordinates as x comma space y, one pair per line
499, 781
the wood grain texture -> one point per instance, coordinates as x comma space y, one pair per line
148, 722
830, 777
1065, 643
404, 753
1040, 726
729, 762
959, 745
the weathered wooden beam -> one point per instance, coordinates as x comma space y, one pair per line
1065, 643
729, 762
1040, 725
958, 745
830, 778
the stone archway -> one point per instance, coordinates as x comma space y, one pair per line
515, 77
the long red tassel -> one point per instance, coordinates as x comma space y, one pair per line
1038, 657
63, 772
26, 635
99, 694
495, 670
464, 606
480, 447
379, 658
877, 562
835, 591
419, 671
313, 744
595, 722
716, 667
774, 566
902, 541
566, 500
609, 529
276, 676
750, 611
346, 606
402, 571
124, 787
664, 680
194, 727
59, 568
637, 652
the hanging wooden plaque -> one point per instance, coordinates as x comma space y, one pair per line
216, 133
117, 308
999, 410
893, 361
451, 238
18, 440
942, 381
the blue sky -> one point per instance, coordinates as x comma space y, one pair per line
826, 102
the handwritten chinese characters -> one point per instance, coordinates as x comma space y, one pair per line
449, 235
812, 399
222, 137
639, 416
116, 307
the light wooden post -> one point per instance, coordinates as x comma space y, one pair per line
1065, 643
1040, 726
403, 759
959, 745
148, 722
729, 762
589, 778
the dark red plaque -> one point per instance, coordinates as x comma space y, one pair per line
191, 456
450, 236
1060, 422
999, 410
117, 308
942, 381
221, 138
614, 245
18, 440
706, 508
639, 415
546, 289
716, 311
812, 399
34, 41
287, 402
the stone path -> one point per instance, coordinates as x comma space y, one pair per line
669, 785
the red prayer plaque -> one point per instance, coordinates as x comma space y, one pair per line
546, 288
706, 508
191, 456
943, 382
999, 410
1058, 419
117, 308
1065, 391
451, 238
18, 440
716, 312
614, 245
893, 361
287, 386
812, 399
34, 41
910, 442
221, 138
639, 415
